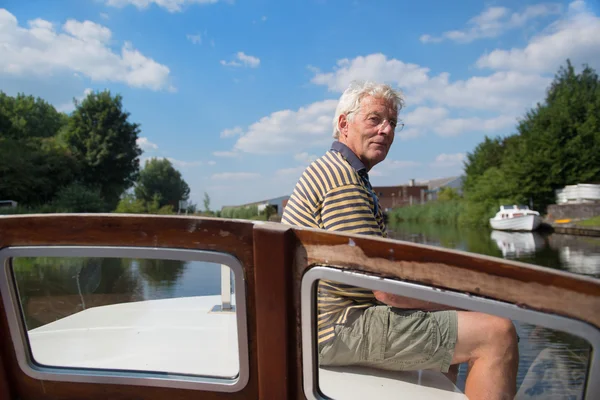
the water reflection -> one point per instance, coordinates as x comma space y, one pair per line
131, 314
577, 254
517, 244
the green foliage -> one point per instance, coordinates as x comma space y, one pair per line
247, 212
34, 163
34, 169
448, 194
104, 143
25, 117
557, 144
160, 180
129, 204
592, 222
78, 198
447, 212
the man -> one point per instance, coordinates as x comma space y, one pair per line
358, 326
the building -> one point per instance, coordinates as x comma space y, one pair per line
415, 193
8, 203
278, 203
401, 195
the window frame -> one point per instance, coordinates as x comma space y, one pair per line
443, 296
22, 347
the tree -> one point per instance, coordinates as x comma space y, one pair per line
25, 117
104, 142
206, 202
448, 194
160, 178
557, 144
34, 169
34, 163
78, 198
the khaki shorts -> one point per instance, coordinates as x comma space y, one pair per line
393, 339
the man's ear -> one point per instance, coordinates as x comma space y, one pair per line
343, 124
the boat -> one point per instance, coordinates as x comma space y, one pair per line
256, 338
516, 218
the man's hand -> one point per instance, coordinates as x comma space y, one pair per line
397, 301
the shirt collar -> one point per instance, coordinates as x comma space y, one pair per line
349, 156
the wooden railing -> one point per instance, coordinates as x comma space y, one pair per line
275, 257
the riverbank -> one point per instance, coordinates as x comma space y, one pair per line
586, 227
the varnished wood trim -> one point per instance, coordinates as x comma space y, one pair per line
233, 237
5, 392
531, 286
273, 251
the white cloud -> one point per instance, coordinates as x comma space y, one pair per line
294, 171
169, 5
81, 47
287, 130
211, 162
225, 154
146, 144
232, 132
503, 91
493, 22
372, 67
243, 60
195, 39
448, 160
184, 164
577, 37
70, 106
457, 126
230, 63
305, 158
104, 16
388, 166
226, 176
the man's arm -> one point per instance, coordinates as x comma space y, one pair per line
397, 301
348, 209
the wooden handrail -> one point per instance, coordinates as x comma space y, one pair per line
275, 257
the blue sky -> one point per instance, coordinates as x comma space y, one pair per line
240, 95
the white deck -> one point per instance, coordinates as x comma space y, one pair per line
350, 383
173, 335
183, 336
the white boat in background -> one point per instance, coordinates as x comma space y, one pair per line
516, 218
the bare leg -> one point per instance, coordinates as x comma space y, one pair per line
489, 344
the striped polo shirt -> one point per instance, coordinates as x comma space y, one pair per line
334, 193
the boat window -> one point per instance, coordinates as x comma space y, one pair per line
156, 317
372, 350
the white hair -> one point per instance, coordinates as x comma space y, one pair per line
350, 100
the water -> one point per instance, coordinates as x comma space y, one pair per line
574, 254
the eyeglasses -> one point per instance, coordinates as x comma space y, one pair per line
375, 120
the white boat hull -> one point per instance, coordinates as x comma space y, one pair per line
524, 223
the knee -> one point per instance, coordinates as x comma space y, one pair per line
502, 334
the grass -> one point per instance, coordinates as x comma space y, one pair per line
592, 222
433, 212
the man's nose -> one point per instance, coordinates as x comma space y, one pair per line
386, 127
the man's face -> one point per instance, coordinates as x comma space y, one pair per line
370, 133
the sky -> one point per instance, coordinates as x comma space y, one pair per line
240, 95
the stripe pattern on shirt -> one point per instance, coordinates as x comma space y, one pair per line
332, 195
